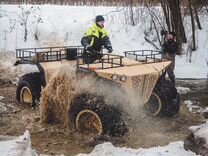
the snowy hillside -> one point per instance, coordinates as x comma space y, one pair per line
50, 25
65, 25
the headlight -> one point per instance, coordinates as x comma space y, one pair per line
114, 77
123, 78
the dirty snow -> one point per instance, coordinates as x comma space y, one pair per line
17, 147
201, 131
194, 107
107, 149
191, 107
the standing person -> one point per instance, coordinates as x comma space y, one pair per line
169, 50
96, 37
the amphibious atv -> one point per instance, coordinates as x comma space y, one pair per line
141, 72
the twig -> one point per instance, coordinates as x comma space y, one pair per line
129, 2
149, 41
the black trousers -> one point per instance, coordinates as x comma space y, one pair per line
90, 57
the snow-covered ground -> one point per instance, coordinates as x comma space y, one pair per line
65, 25
22, 147
197, 66
173, 149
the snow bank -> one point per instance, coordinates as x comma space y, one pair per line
18, 147
107, 149
194, 65
201, 131
197, 140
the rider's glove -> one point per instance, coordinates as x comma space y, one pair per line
110, 49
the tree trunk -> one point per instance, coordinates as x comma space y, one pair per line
193, 25
166, 13
176, 19
132, 13
158, 36
206, 8
196, 14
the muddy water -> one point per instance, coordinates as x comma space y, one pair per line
144, 131
198, 91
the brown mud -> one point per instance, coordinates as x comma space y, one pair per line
55, 139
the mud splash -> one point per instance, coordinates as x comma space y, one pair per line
58, 95
67, 83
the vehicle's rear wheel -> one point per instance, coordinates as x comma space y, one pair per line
89, 113
154, 105
29, 88
169, 97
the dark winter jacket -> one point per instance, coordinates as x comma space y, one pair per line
96, 37
170, 47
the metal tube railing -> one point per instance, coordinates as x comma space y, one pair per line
149, 56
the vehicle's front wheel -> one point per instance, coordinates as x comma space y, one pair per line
89, 113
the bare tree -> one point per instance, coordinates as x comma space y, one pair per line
193, 25
131, 13
176, 19
26, 17
166, 11
196, 14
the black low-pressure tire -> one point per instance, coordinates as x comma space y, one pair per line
29, 85
154, 105
108, 119
169, 96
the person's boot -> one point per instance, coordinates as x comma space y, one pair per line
173, 81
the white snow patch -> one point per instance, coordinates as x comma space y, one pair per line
1, 97
193, 107
183, 90
188, 103
172, 149
3, 108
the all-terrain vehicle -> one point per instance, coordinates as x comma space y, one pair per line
141, 72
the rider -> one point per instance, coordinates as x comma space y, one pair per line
96, 37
